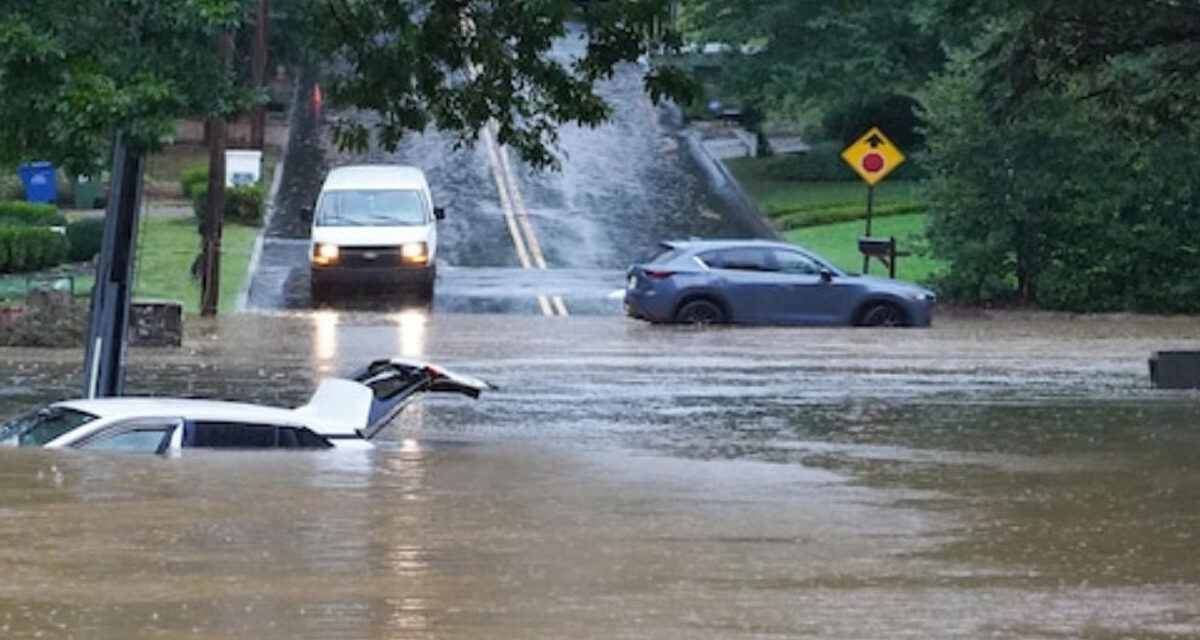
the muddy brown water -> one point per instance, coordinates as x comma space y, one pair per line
1011, 476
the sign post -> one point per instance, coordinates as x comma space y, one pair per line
872, 157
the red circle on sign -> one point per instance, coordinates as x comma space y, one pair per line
872, 162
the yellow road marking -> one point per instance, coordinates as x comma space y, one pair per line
516, 215
507, 189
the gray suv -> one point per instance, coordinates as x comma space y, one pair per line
765, 282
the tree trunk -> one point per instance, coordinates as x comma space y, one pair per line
210, 279
258, 71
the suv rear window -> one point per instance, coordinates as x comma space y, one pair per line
664, 254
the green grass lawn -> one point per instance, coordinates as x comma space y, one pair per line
838, 243
804, 213
773, 196
166, 249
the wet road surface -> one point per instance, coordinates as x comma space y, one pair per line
1012, 478
622, 188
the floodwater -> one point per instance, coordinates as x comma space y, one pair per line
1001, 476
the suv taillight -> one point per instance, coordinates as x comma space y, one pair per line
658, 274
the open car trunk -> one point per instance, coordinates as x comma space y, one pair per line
364, 402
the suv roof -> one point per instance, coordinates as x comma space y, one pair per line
698, 243
374, 176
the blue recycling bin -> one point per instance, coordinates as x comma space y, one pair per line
38, 179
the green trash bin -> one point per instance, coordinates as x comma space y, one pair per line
87, 191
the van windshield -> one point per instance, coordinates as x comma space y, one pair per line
371, 208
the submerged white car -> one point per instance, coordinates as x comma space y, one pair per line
343, 413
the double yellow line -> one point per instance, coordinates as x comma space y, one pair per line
529, 251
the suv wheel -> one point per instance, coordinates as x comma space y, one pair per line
700, 311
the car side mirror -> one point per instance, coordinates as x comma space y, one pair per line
439, 213
826, 275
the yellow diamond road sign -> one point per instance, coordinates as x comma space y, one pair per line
873, 156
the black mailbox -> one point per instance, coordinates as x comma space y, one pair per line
876, 246
882, 248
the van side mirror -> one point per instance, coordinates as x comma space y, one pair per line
439, 213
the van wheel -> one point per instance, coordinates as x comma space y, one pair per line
318, 293
700, 311
425, 293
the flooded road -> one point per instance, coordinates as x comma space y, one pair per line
512, 234
999, 478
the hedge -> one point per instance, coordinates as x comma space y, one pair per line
18, 212
243, 205
193, 179
30, 248
829, 214
84, 237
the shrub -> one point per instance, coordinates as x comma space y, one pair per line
84, 238
11, 187
193, 179
821, 163
897, 115
31, 248
243, 205
829, 214
17, 212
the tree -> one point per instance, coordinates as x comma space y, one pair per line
818, 54
73, 74
1052, 207
1139, 60
459, 65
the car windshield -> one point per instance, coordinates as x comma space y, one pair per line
371, 208
42, 426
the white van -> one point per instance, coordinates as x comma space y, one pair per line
375, 224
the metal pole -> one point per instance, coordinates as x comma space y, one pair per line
104, 362
870, 205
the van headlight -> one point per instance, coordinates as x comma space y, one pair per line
325, 253
414, 253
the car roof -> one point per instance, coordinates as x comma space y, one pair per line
374, 176
120, 408
699, 244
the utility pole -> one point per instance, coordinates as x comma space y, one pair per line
210, 275
104, 362
258, 72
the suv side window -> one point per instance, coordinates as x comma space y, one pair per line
225, 434
741, 259
795, 262
141, 435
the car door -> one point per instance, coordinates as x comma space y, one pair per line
137, 435
806, 296
742, 275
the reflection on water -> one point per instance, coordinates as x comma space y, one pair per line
410, 327
408, 339
1011, 481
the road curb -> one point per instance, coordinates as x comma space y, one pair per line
722, 180
256, 251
